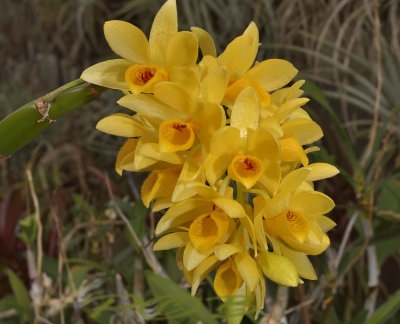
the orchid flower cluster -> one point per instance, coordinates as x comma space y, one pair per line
223, 138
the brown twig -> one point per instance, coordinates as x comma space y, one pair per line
147, 253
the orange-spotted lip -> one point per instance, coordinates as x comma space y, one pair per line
290, 223
176, 135
246, 169
141, 78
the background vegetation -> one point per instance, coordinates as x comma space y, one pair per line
93, 269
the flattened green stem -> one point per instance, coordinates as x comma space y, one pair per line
27, 122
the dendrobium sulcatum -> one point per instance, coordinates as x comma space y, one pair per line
226, 141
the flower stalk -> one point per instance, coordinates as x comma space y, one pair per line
27, 122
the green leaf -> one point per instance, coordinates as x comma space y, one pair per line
316, 94
89, 263
385, 310
78, 274
20, 292
389, 198
176, 303
28, 229
99, 312
359, 319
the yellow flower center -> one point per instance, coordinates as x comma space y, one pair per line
141, 78
206, 230
288, 225
246, 169
227, 280
176, 135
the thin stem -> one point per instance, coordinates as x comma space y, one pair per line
147, 253
374, 128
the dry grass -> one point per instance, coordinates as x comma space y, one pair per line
349, 48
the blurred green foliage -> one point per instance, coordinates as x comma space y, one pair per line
91, 262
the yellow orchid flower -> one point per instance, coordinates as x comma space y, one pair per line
180, 123
249, 153
167, 55
294, 216
238, 58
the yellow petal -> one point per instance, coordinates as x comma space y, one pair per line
225, 141
236, 56
231, 207
206, 42
248, 270
152, 151
258, 223
161, 203
165, 24
159, 184
293, 91
247, 223
325, 223
207, 229
207, 65
188, 186
150, 107
141, 162
305, 130
316, 243
247, 62
312, 203
182, 212
227, 280
209, 117
187, 79
289, 107
213, 86
224, 251
235, 88
182, 50
260, 293
321, 171
276, 205
273, 74
179, 263
192, 257
246, 169
126, 155
127, 41
173, 96
300, 260
294, 179
109, 74
246, 110
312, 149
291, 150
142, 78
176, 135
278, 269
202, 270
121, 125
262, 144
171, 241
271, 177
216, 166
